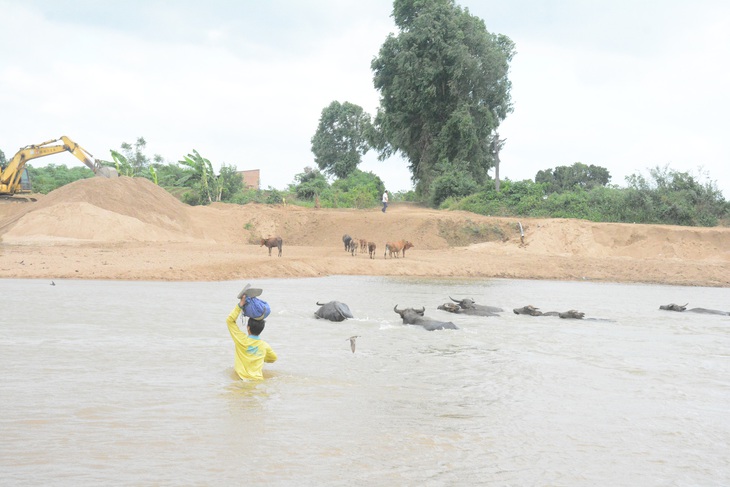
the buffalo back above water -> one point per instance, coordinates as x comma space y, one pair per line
333, 311
470, 307
683, 308
412, 316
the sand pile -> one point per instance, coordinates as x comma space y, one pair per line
101, 210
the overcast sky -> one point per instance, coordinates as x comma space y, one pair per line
627, 85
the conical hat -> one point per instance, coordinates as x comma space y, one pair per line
249, 291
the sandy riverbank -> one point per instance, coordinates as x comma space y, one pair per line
131, 229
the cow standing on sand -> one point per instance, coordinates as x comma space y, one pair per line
350, 244
397, 248
371, 249
272, 242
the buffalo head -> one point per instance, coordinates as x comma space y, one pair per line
407, 311
464, 303
673, 307
527, 310
450, 307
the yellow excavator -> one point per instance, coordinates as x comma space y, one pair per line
14, 178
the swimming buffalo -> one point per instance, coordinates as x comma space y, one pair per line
333, 311
532, 311
678, 307
468, 306
412, 316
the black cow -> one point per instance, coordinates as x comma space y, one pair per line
346, 239
412, 316
333, 311
681, 308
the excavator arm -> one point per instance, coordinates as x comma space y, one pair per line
10, 177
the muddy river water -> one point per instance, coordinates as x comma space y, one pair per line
131, 383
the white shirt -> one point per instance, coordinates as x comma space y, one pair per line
385, 197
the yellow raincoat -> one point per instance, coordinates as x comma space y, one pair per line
251, 351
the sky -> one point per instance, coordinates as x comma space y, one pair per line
626, 85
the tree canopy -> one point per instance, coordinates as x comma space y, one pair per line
567, 178
310, 183
340, 140
444, 90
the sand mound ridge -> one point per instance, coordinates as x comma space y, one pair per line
102, 210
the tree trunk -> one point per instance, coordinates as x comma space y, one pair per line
497, 147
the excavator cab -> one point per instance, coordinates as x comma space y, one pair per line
25, 186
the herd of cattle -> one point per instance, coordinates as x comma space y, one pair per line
353, 245
394, 249
338, 311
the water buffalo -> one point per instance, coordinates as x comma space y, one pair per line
333, 311
470, 307
346, 239
455, 308
272, 242
412, 316
532, 311
680, 308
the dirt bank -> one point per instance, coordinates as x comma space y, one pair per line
131, 229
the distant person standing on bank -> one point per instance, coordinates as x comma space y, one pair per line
385, 200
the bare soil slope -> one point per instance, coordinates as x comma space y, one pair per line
131, 229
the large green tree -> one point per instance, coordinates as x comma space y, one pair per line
568, 178
341, 138
444, 90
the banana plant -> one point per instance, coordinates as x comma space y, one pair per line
124, 168
203, 174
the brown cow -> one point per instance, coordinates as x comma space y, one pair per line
407, 245
397, 248
392, 249
363, 245
371, 249
272, 242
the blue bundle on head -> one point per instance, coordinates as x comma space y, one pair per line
256, 308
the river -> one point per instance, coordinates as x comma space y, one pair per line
132, 383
